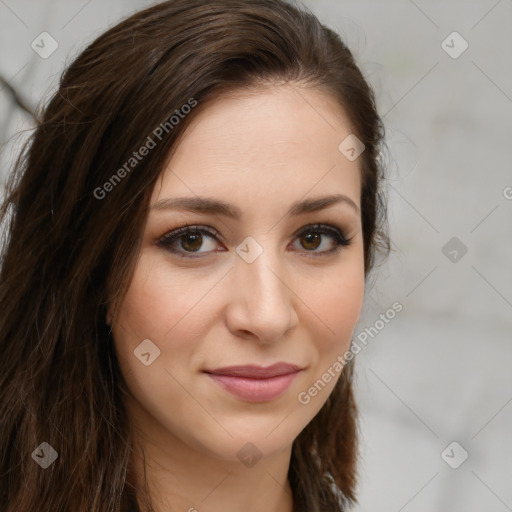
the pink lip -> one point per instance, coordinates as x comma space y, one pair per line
256, 383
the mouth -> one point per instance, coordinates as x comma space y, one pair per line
255, 383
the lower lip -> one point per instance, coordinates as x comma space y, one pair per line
255, 390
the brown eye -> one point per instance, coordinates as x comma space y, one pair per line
191, 241
312, 238
187, 240
312, 241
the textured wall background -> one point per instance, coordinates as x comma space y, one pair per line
439, 372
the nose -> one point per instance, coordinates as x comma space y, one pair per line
262, 301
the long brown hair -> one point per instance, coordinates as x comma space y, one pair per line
69, 250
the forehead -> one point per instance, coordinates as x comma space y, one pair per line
276, 144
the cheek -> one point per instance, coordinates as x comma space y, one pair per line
337, 305
162, 308
337, 311
159, 302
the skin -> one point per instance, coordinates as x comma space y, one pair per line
261, 150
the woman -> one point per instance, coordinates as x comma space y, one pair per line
192, 225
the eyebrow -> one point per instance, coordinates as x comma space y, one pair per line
215, 206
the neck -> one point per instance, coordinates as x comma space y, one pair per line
197, 482
183, 478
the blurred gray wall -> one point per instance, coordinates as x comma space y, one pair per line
434, 383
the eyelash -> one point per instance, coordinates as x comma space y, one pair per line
169, 238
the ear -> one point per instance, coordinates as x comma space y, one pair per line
108, 316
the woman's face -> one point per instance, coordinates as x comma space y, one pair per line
257, 284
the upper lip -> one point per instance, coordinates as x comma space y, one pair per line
256, 372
